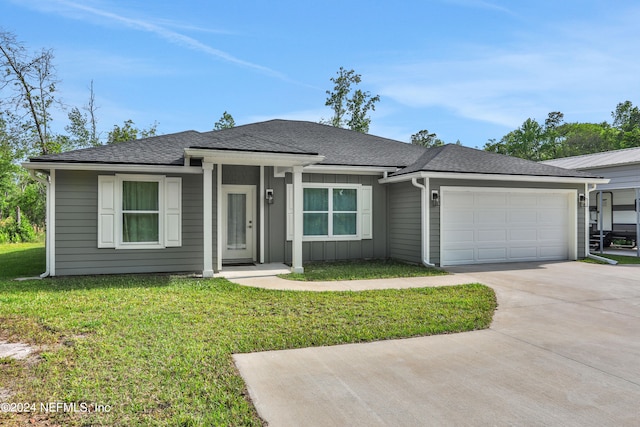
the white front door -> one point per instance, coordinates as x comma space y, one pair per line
238, 223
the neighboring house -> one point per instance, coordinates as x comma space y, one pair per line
613, 209
290, 191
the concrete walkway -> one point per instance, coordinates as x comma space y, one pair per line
563, 350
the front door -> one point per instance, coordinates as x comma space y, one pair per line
238, 223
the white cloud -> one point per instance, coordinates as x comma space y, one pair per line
82, 10
582, 69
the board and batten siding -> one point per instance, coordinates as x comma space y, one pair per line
332, 250
76, 231
405, 223
435, 184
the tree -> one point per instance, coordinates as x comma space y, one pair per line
532, 140
626, 117
30, 83
426, 139
82, 127
350, 106
225, 122
128, 132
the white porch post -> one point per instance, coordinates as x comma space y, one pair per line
261, 203
219, 214
207, 215
296, 243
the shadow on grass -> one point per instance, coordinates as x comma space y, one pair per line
22, 263
73, 283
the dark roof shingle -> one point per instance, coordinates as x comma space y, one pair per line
460, 159
340, 147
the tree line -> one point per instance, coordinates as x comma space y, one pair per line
555, 138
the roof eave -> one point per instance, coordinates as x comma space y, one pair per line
495, 177
114, 167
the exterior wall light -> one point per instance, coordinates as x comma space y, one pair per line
435, 198
269, 195
582, 200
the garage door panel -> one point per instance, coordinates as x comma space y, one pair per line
491, 254
461, 256
553, 234
490, 200
492, 235
523, 253
550, 216
460, 201
460, 236
523, 235
522, 201
502, 225
489, 217
553, 252
518, 216
456, 217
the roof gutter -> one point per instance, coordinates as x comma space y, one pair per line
112, 167
425, 220
493, 177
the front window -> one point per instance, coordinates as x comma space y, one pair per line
330, 212
140, 212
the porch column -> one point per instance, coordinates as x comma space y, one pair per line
296, 243
207, 216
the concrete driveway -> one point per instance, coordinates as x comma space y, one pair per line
563, 350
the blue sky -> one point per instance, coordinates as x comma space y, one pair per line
467, 70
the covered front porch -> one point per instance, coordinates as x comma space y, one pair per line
235, 205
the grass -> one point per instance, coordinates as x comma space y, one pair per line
622, 259
158, 350
349, 270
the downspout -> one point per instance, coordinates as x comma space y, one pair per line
424, 207
588, 234
47, 184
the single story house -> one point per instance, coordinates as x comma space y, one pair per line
292, 192
613, 210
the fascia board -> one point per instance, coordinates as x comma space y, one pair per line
348, 170
494, 177
112, 167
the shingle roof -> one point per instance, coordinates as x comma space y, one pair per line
339, 147
460, 159
597, 160
156, 150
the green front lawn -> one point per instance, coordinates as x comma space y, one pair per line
156, 350
359, 270
622, 259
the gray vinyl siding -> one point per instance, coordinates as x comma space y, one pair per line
275, 218
405, 223
623, 176
76, 234
435, 184
375, 248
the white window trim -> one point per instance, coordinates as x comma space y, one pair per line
110, 212
363, 213
330, 212
120, 179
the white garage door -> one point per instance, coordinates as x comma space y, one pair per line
485, 225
